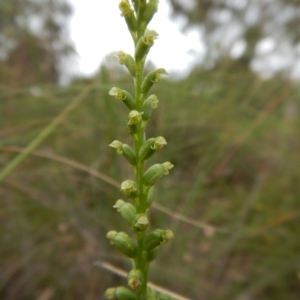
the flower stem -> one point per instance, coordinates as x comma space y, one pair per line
140, 190
139, 139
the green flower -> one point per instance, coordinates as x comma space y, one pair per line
117, 93
122, 57
127, 60
117, 145
145, 43
128, 14
134, 117
128, 187
158, 143
135, 278
158, 75
167, 166
123, 96
151, 78
154, 101
149, 37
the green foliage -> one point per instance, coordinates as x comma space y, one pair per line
235, 144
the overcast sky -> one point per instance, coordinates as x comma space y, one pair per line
97, 29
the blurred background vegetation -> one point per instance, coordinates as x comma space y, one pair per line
233, 132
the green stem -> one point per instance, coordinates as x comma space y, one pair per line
141, 265
139, 139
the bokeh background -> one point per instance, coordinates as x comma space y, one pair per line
232, 126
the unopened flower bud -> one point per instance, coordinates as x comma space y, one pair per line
123, 96
145, 43
129, 154
123, 242
135, 278
124, 6
156, 238
110, 293
150, 196
128, 187
127, 60
134, 117
151, 9
146, 151
149, 104
128, 14
164, 297
151, 294
155, 172
151, 255
127, 211
120, 293
135, 4
151, 78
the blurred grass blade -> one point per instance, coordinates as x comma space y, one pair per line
208, 229
68, 162
44, 133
